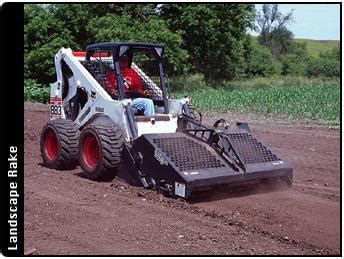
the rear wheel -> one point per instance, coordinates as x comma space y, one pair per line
59, 148
100, 148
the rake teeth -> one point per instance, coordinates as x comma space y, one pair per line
199, 195
223, 191
243, 188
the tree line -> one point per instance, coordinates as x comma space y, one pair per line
207, 39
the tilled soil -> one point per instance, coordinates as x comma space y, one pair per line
66, 214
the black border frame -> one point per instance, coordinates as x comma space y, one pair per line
12, 78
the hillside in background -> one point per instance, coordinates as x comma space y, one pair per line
314, 47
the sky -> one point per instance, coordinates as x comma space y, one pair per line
312, 21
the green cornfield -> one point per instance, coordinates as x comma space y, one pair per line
318, 101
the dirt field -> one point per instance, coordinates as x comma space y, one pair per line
68, 214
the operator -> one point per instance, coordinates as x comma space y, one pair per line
132, 82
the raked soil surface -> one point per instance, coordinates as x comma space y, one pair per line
67, 214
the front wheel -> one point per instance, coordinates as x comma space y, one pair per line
100, 148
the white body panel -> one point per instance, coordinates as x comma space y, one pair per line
152, 126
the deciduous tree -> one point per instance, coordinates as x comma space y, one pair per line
273, 31
213, 36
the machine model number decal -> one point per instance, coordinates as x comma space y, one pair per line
160, 157
179, 189
56, 110
56, 107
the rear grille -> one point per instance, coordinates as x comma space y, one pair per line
250, 150
187, 154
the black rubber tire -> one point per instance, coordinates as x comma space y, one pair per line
109, 141
65, 153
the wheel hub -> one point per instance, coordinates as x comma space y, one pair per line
90, 151
51, 145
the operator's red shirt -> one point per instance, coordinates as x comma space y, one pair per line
129, 74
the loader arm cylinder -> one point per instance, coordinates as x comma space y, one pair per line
128, 111
163, 87
119, 81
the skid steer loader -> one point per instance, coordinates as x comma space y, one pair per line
172, 151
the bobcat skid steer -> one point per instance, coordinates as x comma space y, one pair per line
171, 152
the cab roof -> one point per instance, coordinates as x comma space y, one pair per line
120, 48
129, 44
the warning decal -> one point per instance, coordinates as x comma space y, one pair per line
179, 189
